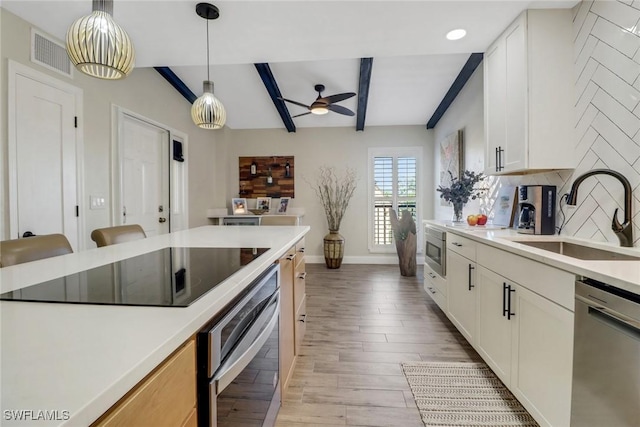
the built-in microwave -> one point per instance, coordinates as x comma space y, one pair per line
434, 250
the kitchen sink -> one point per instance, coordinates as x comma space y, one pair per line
575, 250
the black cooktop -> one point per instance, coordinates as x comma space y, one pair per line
170, 277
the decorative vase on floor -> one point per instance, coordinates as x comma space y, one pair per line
457, 211
333, 249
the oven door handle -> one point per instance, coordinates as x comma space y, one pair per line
249, 346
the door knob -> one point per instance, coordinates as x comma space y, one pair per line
161, 220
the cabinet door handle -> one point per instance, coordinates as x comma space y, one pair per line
301, 250
504, 299
290, 257
497, 161
509, 313
302, 275
303, 318
456, 244
500, 151
471, 268
431, 290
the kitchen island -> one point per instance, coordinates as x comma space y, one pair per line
76, 360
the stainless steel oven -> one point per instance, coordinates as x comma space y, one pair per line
435, 248
238, 359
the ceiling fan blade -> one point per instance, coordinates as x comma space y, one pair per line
338, 97
341, 110
296, 102
303, 114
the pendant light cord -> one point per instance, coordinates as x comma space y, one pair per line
208, 77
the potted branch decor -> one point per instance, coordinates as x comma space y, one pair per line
334, 192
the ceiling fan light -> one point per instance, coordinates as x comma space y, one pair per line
456, 34
99, 47
207, 112
320, 110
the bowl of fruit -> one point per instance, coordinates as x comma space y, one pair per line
479, 219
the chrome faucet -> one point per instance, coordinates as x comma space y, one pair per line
624, 231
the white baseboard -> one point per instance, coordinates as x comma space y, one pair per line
377, 259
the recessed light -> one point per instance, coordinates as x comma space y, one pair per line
456, 34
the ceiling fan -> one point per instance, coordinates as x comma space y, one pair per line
324, 104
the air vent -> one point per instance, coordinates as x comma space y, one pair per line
50, 53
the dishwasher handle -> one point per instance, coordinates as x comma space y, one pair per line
622, 323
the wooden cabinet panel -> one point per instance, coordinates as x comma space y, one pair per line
301, 324
192, 419
287, 318
166, 398
299, 286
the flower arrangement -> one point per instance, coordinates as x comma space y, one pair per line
461, 189
334, 192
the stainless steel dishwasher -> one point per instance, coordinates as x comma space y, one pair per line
606, 357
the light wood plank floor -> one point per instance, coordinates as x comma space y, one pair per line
363, 321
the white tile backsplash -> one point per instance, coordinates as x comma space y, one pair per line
617, 12
616, 87
611, 34
624, 67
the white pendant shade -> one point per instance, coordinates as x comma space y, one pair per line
207, 112
99, 47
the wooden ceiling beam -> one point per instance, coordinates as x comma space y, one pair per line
177, 83
366, 66
274, 92
467, 70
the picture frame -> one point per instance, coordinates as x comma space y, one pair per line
451, 159
239, 205
263, 203
505, 206
283, 205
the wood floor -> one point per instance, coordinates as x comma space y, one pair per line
363, 321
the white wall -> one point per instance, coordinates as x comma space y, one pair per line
607, 114
466, 113
144, 92
339, 147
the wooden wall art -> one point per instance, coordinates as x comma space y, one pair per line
271, 176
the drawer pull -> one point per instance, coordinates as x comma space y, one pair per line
290, 257
431, 290
301, 250
302, 275
456, 244
303, 317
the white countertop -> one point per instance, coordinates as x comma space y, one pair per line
621, 274
83, 358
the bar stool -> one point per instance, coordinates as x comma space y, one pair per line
118, 234
33, 248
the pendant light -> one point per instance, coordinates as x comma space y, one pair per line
98, 46
207, 111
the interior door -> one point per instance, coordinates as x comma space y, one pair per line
43, 178
145, 175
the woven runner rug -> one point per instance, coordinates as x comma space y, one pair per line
463, 394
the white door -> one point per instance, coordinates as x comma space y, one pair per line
144, 175
43, 173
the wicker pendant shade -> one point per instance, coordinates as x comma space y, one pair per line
207, 111
99, 47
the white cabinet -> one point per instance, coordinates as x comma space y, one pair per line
542, 358
493, 337
436, 287
528, 95
461, 281
525, 338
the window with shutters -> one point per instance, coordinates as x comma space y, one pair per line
394, 183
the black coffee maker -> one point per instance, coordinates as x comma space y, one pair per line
537, 209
